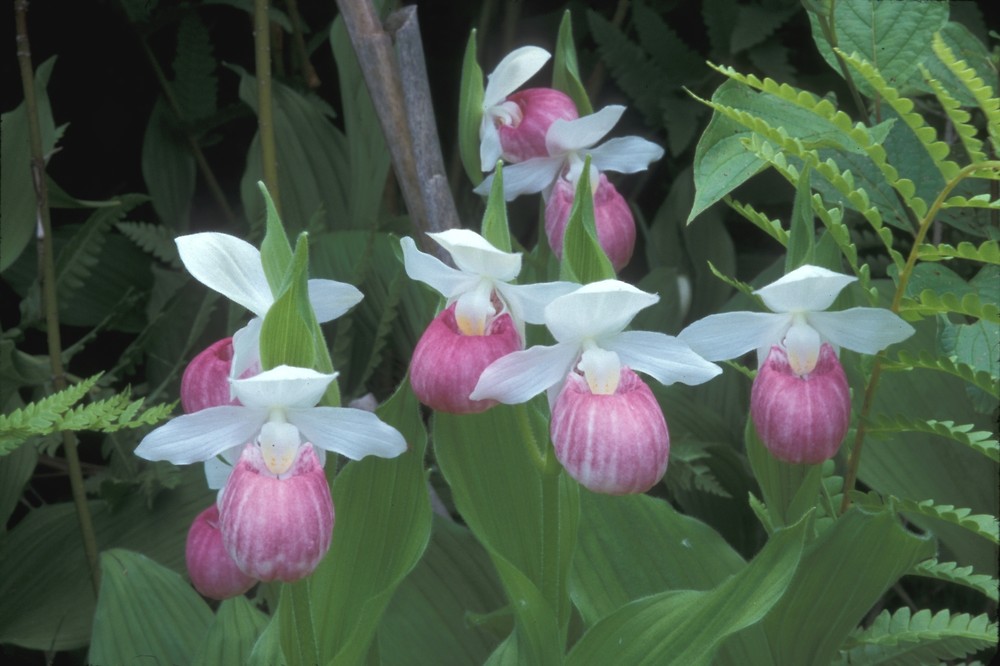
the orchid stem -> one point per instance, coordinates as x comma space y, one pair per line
47, 279
854, 460
265, 116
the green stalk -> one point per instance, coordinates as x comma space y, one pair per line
553, 577
47, 279
265, 117
854, 460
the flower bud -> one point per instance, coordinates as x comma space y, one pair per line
526, 118
213, 572
614, 443
206, 378
277, 527
612, 219
801, 419
446, 363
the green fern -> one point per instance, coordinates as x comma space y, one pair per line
952, 573
902, 638
959, 118
988, 252
982, 93
771, 227
930, 302
688, 470
981, 441
981, 524
154, 239
832, 219
80, 255
925, 360
195, 85
57, 412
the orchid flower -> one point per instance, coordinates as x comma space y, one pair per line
569, 142
510, 74
233, 268
278, 413
797, 322
482, 272
589, 327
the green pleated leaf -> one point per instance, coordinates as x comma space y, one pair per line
565, 70
383, 526
841, 575
583, 258
892, 35
470, 112
495, 227
636, 546
275, 250
231, 637
145, 611
525, 517
286, 334
687, 627
168, 168
430, 618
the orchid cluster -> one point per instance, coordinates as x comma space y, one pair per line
545, 144
262, 435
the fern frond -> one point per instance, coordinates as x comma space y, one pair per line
383, 331
771, 227
195, 86
154, 239
978, 201
902, 638
738, 285
691, 472
925, 134
959, 118
982, 524
979, 441
982, 93
988, 252
930, 302
927, 361
832, 219
952, 573
40, 415
81, 253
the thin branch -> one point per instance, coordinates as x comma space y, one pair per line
265, 117
308, 71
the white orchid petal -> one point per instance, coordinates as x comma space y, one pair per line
864, 330
527, 302
490, 149
662, 357
202, 435
330, 299
474, 254
627, 154
474, 308
526, 177
566, 136
354, 433
602, 370
283, 386
433, 272
729, 335
228, 265
520, 376
246, 350
806, 289
595, 310
512, 72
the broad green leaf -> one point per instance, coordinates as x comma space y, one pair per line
145, 611
232, 634
15, 471
565, 71
687, 627
46, 600
275, 250
790, 490
584, 260
428, 620
495, 227
18, 211
524, 516
286, 334
891, 35
168, 168
470, 112
842, 573
383, 526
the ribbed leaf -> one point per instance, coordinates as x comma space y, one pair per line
584, 260
986, 98
982, 441
286, 334
168, 167
495, 228
232, 634
951, 572
565, 70
920, 638
470, 112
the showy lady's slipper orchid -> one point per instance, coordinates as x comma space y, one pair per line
233, 268
213, 572
800, 402
205, 382
276, 514
567, 144
612, 219
483, 321
514, 125
607, 429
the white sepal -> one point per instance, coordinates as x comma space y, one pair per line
664, 358
351, 432
595, 310
228, 265
806, 289
283, 386
627, 154
568, 136
433, 272
330, 299
865, 330
527, 177
512, 72
474, 254
202, 435
731, 334
520, 376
